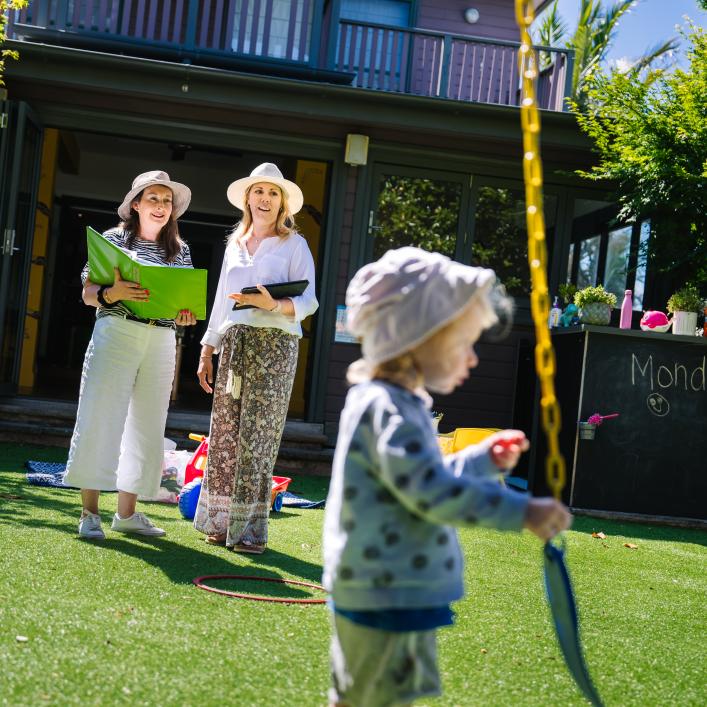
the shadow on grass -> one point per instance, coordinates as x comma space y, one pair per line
181, 563
58, 509
586, 524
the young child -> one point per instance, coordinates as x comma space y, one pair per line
391, 562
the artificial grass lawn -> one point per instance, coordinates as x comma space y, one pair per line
119, 622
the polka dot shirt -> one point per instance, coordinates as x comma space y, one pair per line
389, 540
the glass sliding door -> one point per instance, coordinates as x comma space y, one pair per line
20, 154
500, 238
417, 208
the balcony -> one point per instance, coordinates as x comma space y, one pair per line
297, 39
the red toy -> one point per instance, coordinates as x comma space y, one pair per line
196, 466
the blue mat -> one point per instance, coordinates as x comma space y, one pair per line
292, 501
47, 474
52, 474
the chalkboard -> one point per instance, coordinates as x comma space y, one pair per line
652, 459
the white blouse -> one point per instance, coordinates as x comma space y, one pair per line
276, 260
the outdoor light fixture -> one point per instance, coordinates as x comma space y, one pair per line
356, 153
471, 15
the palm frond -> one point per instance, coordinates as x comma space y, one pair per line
657, 51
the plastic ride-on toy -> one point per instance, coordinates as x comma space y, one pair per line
189, 496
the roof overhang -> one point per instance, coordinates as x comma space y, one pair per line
76, 71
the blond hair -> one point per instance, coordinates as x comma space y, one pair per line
284, 225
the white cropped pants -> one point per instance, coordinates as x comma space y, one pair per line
125, 387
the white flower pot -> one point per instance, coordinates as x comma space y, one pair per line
684, 323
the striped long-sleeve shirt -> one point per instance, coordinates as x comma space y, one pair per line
146, 251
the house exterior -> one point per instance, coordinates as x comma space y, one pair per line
398, 118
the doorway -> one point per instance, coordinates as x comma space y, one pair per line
20, 155
93, 171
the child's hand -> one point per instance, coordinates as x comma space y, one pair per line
505, 447
546, 517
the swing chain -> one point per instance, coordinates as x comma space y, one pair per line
537, 249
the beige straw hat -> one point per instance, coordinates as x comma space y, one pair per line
181, 195
270, 173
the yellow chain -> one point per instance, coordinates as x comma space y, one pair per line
537, 250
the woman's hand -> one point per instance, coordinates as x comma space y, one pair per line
185, 318
263, 300
546, 517
125, 290
205, 371
505, 447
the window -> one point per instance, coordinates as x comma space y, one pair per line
415, 211
617, 254
639, 286
500, 235
570, 263
604, 252
376, 55
380, 12
588, 262
251, 35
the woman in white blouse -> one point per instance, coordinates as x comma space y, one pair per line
258, 359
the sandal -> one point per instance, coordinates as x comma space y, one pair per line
216, 539
249, 548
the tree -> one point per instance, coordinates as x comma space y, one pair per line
596, 30
5, 6
651, 137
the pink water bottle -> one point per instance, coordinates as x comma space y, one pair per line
626, 310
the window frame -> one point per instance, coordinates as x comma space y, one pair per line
556, 253
603, 224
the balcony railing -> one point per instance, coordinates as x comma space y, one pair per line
445, 66
275, 29
294, 35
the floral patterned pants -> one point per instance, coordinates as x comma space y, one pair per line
251, 396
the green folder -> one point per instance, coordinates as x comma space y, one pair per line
171, 288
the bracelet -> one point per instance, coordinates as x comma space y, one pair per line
206, 358
101, 297
277, 307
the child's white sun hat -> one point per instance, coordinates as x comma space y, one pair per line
398, 301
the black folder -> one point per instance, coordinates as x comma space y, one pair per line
277, 290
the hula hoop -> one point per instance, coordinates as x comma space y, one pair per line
198, 581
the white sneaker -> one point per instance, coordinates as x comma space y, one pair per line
90, 527
137, 523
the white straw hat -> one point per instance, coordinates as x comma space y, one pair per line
181, 195
395, 303
270, 173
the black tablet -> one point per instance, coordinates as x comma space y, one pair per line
277, 290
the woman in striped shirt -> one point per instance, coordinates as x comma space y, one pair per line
129, 366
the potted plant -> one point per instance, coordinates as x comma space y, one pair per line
595, 304
685, 305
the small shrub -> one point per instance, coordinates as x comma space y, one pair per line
567, 291
594, 294
686, 299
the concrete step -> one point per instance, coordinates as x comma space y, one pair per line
51, 422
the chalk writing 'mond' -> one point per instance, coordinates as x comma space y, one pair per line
665, 377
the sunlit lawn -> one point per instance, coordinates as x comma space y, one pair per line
119, 622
